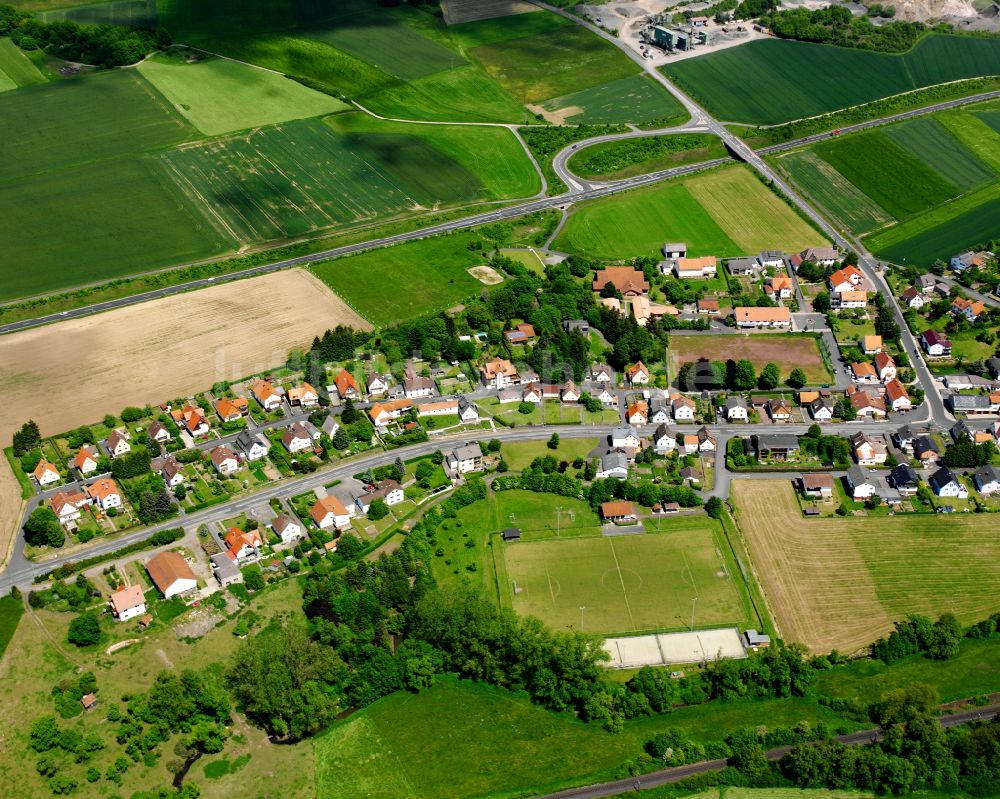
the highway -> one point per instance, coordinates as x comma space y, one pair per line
666, 776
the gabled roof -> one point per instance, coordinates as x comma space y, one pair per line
895, 390
344, 381
282, 521
754, 314
626, 279
43, 468
327, 505
87, 452
167, 568
222, 453
615, 509
847, 274
102, 489
941, 478
126, 598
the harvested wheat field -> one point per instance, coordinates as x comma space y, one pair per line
74, 372
10, 509
840, 583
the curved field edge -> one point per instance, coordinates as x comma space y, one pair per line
627, 158
794, 80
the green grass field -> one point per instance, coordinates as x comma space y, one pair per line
425, 276
625, 158
15, 68
530, 259
725, 212
846, 203
793, 80
561, 62
933, 144
221, 96
286, 181
626, 583
894, 178
636, 98
388, 43
479, 741
493, 154
11, 610
130, 13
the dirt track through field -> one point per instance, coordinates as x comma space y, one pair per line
75, 372
840, 583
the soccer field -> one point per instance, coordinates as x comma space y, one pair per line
626, 584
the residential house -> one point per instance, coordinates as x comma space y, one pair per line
297, 438
158, 432
914, 298
885, 366
967, 382
464, 459
896, 397
867, 404
85, 461
925, 450
305, 396
775, 259
683, 408
171, 574
675, 249
532, 393
389, 491
581, 326
844, 300
601, 373
67, 507
382, 413
987, 480
821, 409
416, 387
708, 306
627, 280
232, 410
347, 386
376, 384
659, 411
192, 419
778, 287
330, 426
442, 408
969, 404
638, 413
871, 345
242, 547
603, 393
287, 528
127, 602
780, 410
329, 512
690, 475
821, 256
744, 267
618, 512
817, 486
927, 282
904, 479
522, 333
862, 483
868, 450
864, 372
944, 483
904, 438
970, 260
105, 494
637, 374
226, 572
935, 344
117, 444
970, 309
499, 373
251, 446
613, 464
775, 446
45, 474
224, 460
468, 413
689, 443
569, 392
706, 441
753, 317
267, 396
172, 472
625, 436
993, 364
695, 268
663, 440
848, 278
736, 409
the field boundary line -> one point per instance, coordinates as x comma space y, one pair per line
621, 579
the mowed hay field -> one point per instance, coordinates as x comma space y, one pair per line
794, 80
626, 584
636, 98
724, 212
15, 68
787, 350
396, 283
74, 372
221, 96
840, 583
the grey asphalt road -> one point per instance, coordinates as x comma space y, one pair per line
666, 776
